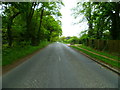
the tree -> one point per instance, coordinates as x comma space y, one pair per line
11, 14
53, 26
26, 22
101, 16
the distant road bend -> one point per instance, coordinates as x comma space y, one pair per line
59, 66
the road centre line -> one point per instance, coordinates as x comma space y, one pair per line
59, 58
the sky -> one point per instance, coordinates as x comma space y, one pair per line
67, 20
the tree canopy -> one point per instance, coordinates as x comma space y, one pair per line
31, 22
103, 19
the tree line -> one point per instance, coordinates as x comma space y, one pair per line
103, 19
30, 22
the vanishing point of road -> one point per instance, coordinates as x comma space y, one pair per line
59, 66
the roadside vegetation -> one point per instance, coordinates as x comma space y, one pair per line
108, 59
10, 55
107, 54
27, 27
101, 40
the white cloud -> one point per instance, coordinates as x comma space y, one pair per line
67, 20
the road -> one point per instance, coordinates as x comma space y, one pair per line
59, 66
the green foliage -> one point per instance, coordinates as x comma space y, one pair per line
9, 55
31, 22
83, 35
72, 40
99, 52
106, 60
54, 28
101, 17
25, 25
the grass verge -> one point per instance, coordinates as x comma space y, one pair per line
10, 55
106, 60
100, 52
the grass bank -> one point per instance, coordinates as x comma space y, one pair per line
100, 52
9, 55
98, 57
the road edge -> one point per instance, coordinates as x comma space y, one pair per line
7, 68
99, 62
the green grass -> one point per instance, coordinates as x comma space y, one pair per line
101, 53
10, 55
106, 60
65, 42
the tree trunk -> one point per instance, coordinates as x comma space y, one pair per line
90, 31
115, 18
29, 24
9, 32
41, 16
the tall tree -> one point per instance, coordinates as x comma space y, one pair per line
26, 22
101, 16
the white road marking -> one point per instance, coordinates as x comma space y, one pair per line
59, 58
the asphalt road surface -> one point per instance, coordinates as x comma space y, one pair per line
59, 66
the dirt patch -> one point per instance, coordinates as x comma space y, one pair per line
99, 54
7, 68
